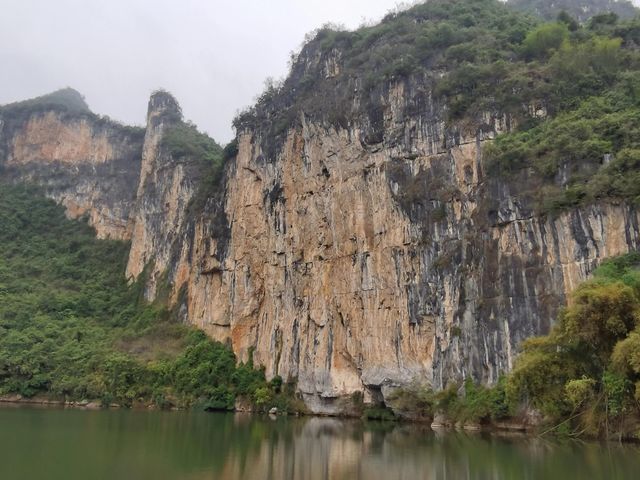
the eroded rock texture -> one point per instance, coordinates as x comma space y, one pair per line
166, 185
349, 258
353, 267
87, 163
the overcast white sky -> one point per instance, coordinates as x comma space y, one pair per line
212, 55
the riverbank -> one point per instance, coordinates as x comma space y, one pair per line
48, 402
529, 423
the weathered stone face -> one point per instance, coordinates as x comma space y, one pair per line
362, 268
88, 164
49, 138
349, 261
162, 198
318, 256
354, 266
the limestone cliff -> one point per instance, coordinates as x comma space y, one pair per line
353, 267
124, 180
355, 242
165, 187
87, 163
377, 253
344, 265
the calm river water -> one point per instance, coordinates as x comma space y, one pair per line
72, 444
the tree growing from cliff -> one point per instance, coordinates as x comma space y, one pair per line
586, 370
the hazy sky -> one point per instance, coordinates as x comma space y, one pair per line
212, 55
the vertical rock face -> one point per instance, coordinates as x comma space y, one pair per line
165, 187
355, 266
351, 258
87, 163
319, 252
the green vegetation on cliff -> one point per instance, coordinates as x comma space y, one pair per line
583, 377
467, 403
71, 328
66, 99
568, 93
184, 141
587, 370
66, 102
582, 10
584, 144
461, 45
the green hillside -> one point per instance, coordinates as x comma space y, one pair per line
474, 58
71, 328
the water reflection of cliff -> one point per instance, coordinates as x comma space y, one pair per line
74, 445
325, 448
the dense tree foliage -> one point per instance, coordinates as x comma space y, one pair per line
583, 377
582, 10
587, 370
71, 327
544, 39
